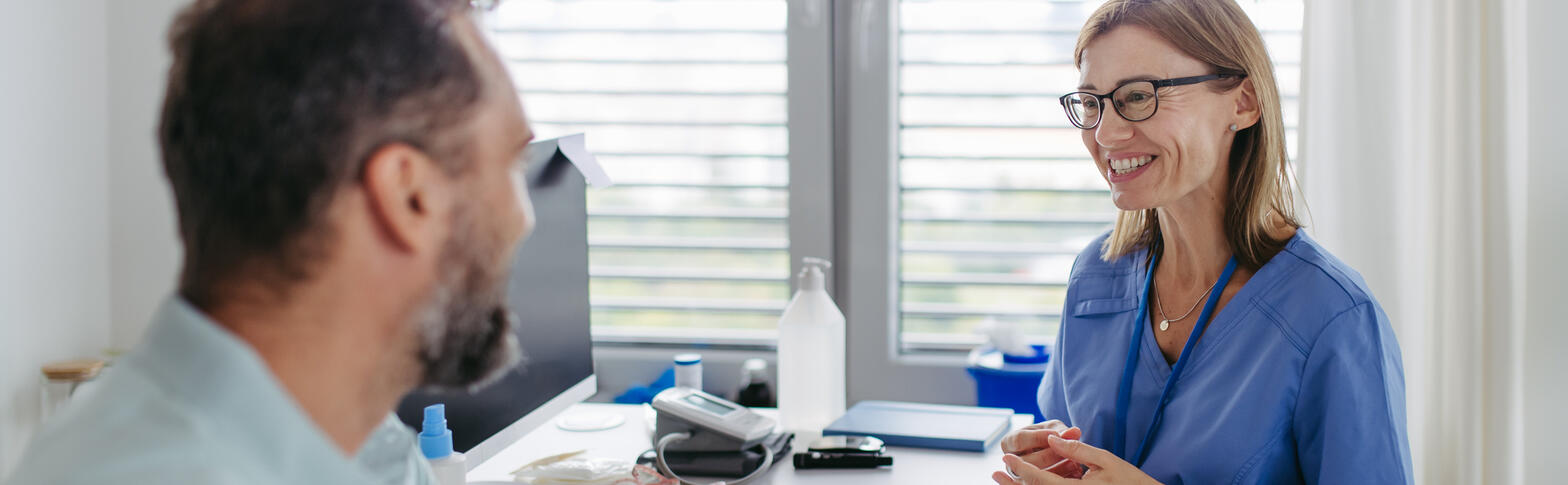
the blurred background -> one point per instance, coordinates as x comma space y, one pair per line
687, 104
916, 143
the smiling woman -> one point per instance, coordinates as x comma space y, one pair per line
1178, 107
995, 194
1261, 195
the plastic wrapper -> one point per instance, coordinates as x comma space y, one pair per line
569, 469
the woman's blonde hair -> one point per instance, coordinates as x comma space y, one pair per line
1259, 194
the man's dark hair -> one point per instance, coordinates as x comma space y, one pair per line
274, 105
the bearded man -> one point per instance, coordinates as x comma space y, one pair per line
346, 175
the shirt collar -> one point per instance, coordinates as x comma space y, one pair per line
227, 386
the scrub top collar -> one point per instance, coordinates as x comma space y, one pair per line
1152, 360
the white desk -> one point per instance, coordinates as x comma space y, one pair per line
627, 441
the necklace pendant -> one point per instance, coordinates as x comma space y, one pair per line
1165, 325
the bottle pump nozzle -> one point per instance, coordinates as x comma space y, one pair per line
435, 440
811, 273
818, 262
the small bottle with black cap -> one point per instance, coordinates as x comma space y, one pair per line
754, 391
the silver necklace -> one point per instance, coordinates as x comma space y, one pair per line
1165, 322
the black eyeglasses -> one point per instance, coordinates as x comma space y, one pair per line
1134, 101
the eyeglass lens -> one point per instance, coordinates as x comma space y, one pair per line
1135, 101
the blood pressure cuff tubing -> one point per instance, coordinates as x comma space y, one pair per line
723, 464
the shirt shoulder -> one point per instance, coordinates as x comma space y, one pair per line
190, 471
190, 400
1309, 288
124, 431
1091, 261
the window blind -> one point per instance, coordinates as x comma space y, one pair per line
684, 102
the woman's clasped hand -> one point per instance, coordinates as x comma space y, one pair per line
1049, 453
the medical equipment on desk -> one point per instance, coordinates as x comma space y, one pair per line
843, 451
709, 433
848, 443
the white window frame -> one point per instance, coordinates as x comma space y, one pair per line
869, 226
811, 134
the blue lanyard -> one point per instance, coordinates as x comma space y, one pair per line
1124, 391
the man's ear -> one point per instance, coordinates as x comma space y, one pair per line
404, 190
1247, 109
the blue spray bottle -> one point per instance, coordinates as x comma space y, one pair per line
435, 441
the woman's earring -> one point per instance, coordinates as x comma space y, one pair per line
1232, 127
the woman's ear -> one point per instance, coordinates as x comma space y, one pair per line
1247, 108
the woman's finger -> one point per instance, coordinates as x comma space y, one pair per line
1072, 433
1043, 458
1001, 478
1066, 468
1027, 441
1083, 453
1009, 442
1029, 474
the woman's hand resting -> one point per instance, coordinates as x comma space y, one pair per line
1103, 467
1029, 444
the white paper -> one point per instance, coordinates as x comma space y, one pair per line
575, 148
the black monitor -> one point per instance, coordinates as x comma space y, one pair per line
548, 291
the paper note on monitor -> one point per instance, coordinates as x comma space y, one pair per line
575, 148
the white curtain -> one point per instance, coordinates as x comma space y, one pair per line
1413, 162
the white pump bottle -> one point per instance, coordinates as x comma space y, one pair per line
811, 356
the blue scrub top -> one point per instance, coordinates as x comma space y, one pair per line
1298, 379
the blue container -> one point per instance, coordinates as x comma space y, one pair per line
1006, 381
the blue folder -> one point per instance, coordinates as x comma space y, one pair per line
939, 426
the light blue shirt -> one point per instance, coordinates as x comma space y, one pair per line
1297, 380
194, 404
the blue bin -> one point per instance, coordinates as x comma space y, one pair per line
1005, 381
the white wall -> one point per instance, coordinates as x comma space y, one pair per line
1546, 335
54, 227
144, 250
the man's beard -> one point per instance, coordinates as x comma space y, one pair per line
465, 332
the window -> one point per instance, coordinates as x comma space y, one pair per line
685, 103
997, 194
957, 193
